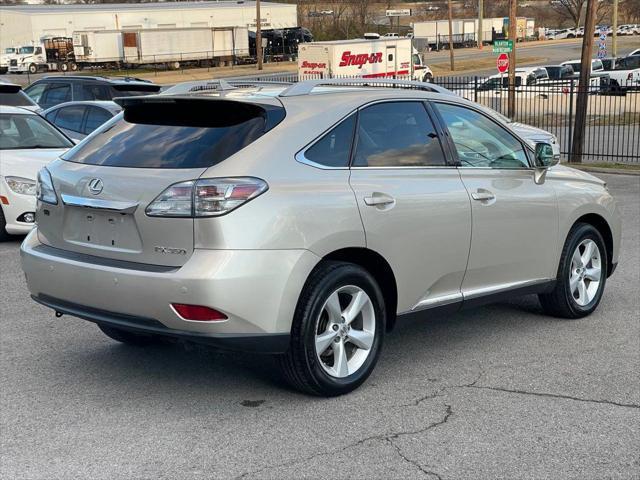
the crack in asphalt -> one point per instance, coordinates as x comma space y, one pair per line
412, 462
388, 437
553, 395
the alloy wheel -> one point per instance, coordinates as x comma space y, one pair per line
345, 331
586, 272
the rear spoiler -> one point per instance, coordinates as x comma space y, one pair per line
9, 88
136, 87
194, 111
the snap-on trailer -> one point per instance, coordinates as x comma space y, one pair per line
367, 58
171, 46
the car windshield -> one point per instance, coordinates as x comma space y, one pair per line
23, 131
555, 73
24, 50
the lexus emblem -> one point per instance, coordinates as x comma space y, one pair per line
95, 186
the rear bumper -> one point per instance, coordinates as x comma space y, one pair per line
259, 343
256, 289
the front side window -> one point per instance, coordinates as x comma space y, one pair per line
334, 148
18, 131
35, 91
397, 134
479, 141
56, 93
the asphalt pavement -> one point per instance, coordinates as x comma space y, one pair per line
498, 392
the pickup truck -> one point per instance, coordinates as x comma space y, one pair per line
626, 74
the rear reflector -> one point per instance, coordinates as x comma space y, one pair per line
198, 313
4, 200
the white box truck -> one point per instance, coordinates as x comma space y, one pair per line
368, 58
170, 46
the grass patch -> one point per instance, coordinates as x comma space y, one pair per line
476, 64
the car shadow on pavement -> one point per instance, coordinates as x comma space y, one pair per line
202, 370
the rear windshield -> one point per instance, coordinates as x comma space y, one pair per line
18, 99
196, 135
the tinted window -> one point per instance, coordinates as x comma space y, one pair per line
398, 134
35, 91
18, 99
479, 141
19, 131
70, 118
334, 148
96, 116
188, 135
55, 94
95, 92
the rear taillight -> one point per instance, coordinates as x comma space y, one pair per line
44, 188
209, 197
198, 313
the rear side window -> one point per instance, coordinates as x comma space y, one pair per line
96, 116
334, 148
180, 134
95, 92
397, 134
70, 118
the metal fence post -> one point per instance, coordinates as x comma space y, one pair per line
570, 139
475, 89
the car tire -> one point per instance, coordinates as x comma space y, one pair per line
33, 68
576, 293
129, 338
322, 373
4, 236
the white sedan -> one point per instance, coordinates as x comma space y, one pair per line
27, 143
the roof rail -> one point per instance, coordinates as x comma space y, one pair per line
307, 86
219, 85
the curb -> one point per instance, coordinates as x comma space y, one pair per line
614, 171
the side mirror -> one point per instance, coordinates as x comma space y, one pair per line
544, 156
544, 159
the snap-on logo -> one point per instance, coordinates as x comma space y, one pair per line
313, 65
361, 59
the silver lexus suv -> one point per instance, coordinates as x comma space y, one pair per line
305, 221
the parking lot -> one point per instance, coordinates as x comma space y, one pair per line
501, 391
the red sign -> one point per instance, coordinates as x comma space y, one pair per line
359, 60
503, 62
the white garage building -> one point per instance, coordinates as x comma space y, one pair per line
24, 24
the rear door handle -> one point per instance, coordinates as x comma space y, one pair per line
483, 196
378, 199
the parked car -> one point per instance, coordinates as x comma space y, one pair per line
559, 72
596, 65
564, 33
79, 119
27, 143
50, 91
306, 222
12, 95
635, 52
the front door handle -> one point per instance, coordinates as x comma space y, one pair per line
378, 199
483, 195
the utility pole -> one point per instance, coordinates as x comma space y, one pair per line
259, 50
582, 101
451, 38
513, 36
480, 18
614, 33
